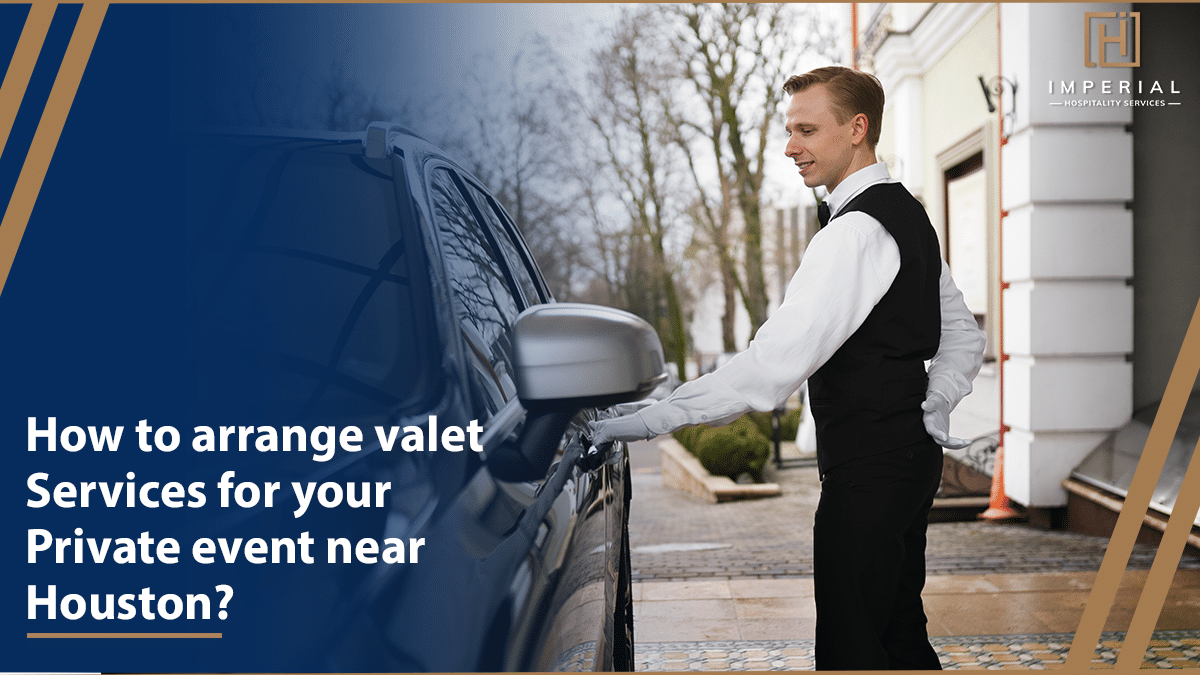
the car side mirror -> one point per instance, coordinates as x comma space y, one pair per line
568, 357
571, 356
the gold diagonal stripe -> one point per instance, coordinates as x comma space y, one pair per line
1166, 561
45, 139
1137, 500
20, 69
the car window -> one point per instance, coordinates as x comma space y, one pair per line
301, 267
518, 264
485, 304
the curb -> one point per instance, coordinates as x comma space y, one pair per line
682, 471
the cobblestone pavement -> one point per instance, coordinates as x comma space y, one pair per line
675, 536
1168, 649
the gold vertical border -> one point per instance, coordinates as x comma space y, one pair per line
20, 69
45, 139
1137, 500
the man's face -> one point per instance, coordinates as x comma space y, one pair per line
821, 148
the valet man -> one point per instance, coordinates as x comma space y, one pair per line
871, 303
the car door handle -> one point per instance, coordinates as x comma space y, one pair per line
594, 456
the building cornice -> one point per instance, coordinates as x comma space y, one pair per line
910, 53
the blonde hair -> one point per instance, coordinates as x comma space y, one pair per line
852, 91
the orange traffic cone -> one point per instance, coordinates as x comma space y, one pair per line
999, 506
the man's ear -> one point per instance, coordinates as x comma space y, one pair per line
858, 132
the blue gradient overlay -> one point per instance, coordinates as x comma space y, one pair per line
107, 319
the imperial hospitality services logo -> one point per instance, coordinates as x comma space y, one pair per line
1113, 40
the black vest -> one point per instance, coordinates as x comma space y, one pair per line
866, 399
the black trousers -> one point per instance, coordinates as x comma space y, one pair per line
869, 561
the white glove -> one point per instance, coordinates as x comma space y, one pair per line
632, 407
937, 421
623, 428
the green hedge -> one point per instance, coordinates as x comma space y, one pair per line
789, 424
740, 447
743, 446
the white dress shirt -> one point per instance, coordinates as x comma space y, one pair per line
848, 267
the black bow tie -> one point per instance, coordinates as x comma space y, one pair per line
823, 214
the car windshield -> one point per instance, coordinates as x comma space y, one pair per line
308, 288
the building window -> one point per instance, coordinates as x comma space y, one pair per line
967, 232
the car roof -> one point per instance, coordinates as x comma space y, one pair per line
395, 134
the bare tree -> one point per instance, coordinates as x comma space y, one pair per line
513, 139
625, 105
350, 105
714, 216
736, 57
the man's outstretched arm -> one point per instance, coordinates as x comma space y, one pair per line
845, 271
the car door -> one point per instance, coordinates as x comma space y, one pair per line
311, 306
606, 494
565, 558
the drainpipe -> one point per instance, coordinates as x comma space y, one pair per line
999, 506
1002, 355
854, 34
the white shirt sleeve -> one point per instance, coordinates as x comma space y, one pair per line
846, 270
960, 348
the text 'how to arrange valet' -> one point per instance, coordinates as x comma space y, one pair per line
323, 440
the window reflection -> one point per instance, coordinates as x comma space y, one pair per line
301, 282
486, 307
516, 262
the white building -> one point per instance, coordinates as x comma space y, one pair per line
1069, 216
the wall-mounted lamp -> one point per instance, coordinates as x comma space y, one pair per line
994, 87
895, 166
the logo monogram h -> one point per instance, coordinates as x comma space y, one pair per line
1122, 39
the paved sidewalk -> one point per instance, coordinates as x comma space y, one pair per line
728, 586
676, 536
1170, 649
973, 619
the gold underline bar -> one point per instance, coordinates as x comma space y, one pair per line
135, 636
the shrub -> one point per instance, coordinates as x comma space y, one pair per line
687, 437
789, 424
762, 422
730, 450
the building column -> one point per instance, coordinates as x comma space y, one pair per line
1067, 176
906, 98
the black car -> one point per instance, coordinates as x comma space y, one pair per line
366, 279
